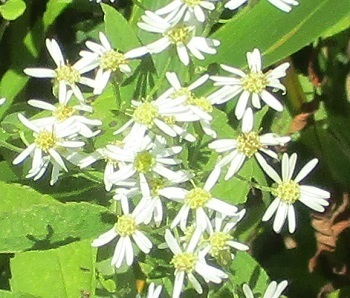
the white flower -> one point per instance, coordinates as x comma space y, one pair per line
251, 86
126, 229
65, 75
180, 36
200, 107
246, 145
108, 60
220, 239
288, 191
197, 200
144, 158
160, 114
152, 193
274, 290
154, 292
186, 10
190, 261
2, 101
112, 165
64, 112
48, 146
285, 5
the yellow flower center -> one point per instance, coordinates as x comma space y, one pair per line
144, 162
197, 197
112, 60
184, 261
218, 243
179, 34
289, 191
170, 120
125, 225
183, 91
145, 114
192, 3
67, 73
201, 102
156, 184
248, 143
63, 112
255, 82
46, 140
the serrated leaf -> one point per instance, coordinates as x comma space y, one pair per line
12, 9
46, 226
67, 271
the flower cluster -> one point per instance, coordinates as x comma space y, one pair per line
145, 169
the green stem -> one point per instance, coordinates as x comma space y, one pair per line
196, 150
9, 146
253, 184
138, 4
160, 80
3, 27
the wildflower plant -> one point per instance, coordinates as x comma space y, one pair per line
149, 166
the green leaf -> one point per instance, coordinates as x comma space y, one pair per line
68, 271
15, 197
7, 294
45, 226
14, 79
12, 9
119, 32
342, 25
234, 190
275, 33
246, 270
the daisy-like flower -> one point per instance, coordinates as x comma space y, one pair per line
65, 112
248, 144
48, 146
284, 5
144, 158
108, 60
274, 290
152, 193
252, 86
65, 75
220, 239
189, 261
288, 191
197, 200
160, 114
186, 10
112, 165
200, 107
181, 36
126, 229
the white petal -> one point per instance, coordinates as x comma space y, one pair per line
271, 209
291, 219
172, 243
271, 101
306, 170
280, 217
